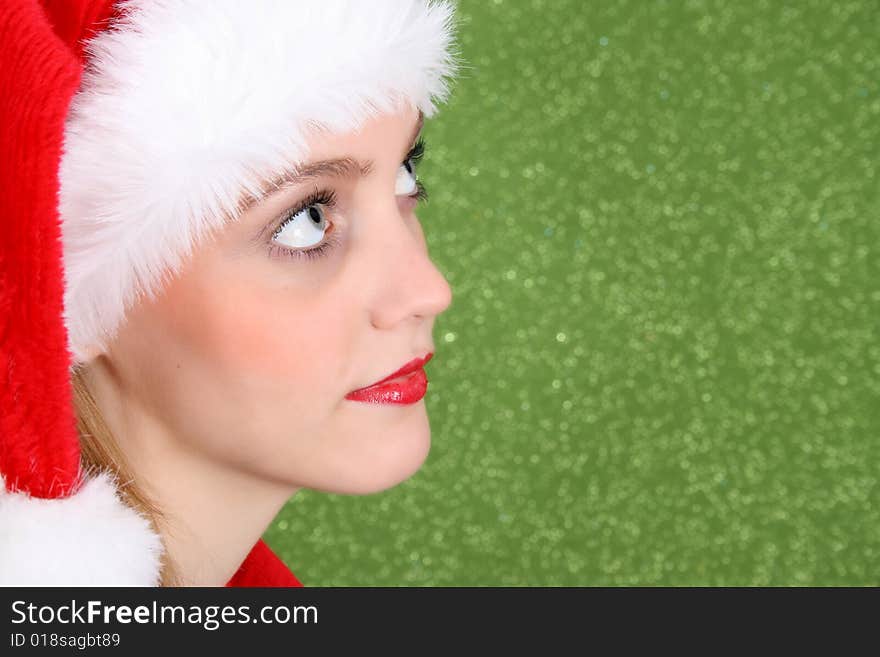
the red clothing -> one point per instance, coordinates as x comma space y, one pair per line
262, 567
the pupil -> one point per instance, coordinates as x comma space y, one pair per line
408, 167
315, 215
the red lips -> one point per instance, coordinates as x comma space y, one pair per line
405, 386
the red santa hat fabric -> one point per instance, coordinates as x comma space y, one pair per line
128, 131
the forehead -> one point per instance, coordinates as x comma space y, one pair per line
380, 133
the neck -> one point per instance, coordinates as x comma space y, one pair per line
211, 513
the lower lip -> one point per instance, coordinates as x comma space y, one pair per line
404, 390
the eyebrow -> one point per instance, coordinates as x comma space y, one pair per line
343, 167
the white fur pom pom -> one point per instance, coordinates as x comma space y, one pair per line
87, 539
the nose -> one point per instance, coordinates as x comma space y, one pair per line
409, 285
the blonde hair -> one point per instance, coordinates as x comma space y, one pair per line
100, 451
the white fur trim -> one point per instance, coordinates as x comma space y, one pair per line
186, 104
88, 539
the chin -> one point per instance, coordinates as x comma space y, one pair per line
379, 460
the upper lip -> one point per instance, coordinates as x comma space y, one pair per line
411, 366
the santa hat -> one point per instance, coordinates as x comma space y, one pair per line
130, 130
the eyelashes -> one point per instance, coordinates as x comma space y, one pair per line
414, 157
309, 254
327, 198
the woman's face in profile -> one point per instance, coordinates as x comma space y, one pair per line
247, 356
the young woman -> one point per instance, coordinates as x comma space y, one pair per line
211, 239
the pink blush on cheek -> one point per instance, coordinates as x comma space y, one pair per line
224, 333
271, 343
252, 342
240, 326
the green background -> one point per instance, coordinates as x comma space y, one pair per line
661, 364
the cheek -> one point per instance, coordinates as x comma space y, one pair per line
263, 338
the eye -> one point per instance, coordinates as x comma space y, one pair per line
302, 230
306, 226
407, 183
